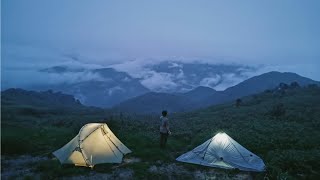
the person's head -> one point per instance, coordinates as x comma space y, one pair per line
164, 113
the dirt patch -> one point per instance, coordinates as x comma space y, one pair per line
20, 166
131, 160
116, 174
174, 171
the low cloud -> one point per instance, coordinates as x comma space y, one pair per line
163, 81
173, 65
210, 81
181, 74
136, 68
34, 78
115, 89
21, 68
228, 80
159, 82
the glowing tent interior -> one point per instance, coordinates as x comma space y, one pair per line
95, 144
223, 152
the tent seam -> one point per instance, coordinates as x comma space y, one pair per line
110, 146
115, 145
207, 148
80, 142
237, 151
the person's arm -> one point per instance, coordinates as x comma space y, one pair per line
167, 127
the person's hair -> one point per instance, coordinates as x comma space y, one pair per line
164, 113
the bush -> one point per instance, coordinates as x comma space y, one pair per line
278, 110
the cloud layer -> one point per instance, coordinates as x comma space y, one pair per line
23, 67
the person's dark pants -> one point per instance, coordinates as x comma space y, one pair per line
163, 139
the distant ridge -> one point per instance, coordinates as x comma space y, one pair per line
200, 91
109, 87
153, 102
203, 96
40, 99
265, 81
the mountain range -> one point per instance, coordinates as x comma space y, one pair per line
151, 102
203, 96
184, 77
200, 84
106, 87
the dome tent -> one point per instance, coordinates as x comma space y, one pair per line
94, 144
223, 152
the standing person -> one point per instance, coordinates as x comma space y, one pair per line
164, 129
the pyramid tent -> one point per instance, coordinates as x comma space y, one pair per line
223, 152
95, 144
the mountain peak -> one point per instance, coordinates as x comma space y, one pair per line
265, 81
277, 73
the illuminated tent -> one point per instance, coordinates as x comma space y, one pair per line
95, 144
223, 152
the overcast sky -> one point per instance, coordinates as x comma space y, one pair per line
281, 33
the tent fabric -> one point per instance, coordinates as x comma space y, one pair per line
223, 152
94, 144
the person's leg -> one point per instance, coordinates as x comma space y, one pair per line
161, 140
165, 139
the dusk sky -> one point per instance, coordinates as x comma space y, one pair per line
282, 34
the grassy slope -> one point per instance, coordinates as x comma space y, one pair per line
288, 142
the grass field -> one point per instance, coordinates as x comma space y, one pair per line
283, 129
